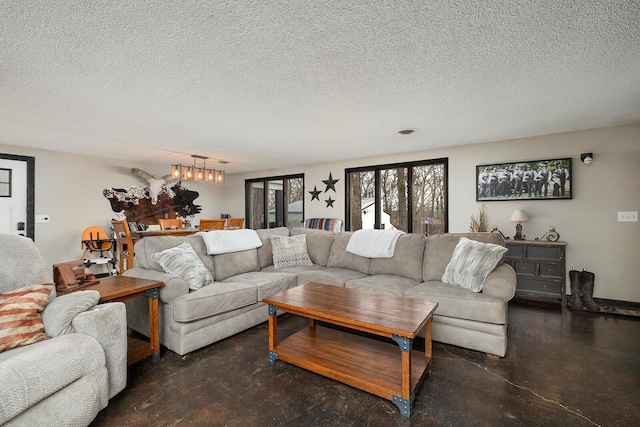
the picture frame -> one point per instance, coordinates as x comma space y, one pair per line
133, 227
547, 179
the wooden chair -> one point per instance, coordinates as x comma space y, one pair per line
235, 223
169, 224
212, 224
125, 244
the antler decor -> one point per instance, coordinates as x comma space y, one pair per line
155, 185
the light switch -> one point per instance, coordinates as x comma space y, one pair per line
628, 216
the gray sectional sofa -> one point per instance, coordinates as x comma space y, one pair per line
193, 319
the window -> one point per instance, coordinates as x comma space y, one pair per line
5, 182
274, 201
411, 197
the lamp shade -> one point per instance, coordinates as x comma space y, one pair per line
519, 216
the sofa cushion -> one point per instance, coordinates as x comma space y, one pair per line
20, 320
266, 283
183, 261
456, 301
234, 263
439, 250
265, 252
290, 251
318, 243
392, 284
471, 263
406, 261
329, 276
215, 299
340, 258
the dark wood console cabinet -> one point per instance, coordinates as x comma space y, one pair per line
540, 269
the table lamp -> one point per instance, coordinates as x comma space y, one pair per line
519, 217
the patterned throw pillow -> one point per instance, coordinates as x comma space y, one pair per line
290, 251
20, 320
471, 263
183, 261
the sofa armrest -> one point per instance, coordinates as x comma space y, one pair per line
59, 312
174, 286
501, 282
107, 323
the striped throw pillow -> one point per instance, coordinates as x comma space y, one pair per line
471, 263
20, 320
183, 261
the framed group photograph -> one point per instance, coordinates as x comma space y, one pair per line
534, 179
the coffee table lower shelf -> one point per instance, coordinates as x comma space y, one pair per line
365, 363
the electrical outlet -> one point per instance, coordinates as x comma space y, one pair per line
42, 218
628, 216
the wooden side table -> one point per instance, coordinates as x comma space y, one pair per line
121, 288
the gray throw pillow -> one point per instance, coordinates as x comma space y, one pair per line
290, 251
183, 261
471, 263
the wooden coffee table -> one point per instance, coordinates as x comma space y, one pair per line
121, 288
369, 364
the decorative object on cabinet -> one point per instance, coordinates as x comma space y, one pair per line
550, 235
519, 216
479, 225
495, 230
539, 267
533, 180
586, 158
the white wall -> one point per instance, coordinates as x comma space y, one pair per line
588, 222
69, 189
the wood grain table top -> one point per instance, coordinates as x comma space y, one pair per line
115, 287
375, 312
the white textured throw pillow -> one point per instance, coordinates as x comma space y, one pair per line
183, 261
290, 251
471, 263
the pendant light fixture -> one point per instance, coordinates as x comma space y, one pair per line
195, 173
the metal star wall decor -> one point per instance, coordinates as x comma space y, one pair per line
331, 183
330, 201
315, 194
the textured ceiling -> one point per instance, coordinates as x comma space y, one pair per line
270, 84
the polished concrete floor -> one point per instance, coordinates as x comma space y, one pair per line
562, 368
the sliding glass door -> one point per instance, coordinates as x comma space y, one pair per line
274, 201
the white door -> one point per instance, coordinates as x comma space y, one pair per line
13, 196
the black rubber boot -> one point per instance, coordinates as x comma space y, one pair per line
588, 283
576, 294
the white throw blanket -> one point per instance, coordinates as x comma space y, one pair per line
374, 243
224, 241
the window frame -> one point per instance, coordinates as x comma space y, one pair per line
265, 208
378, 191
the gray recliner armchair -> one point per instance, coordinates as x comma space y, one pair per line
66, 379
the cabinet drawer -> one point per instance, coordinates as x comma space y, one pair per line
515, 251
551, 271
539, 286
524, 268
544, 252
